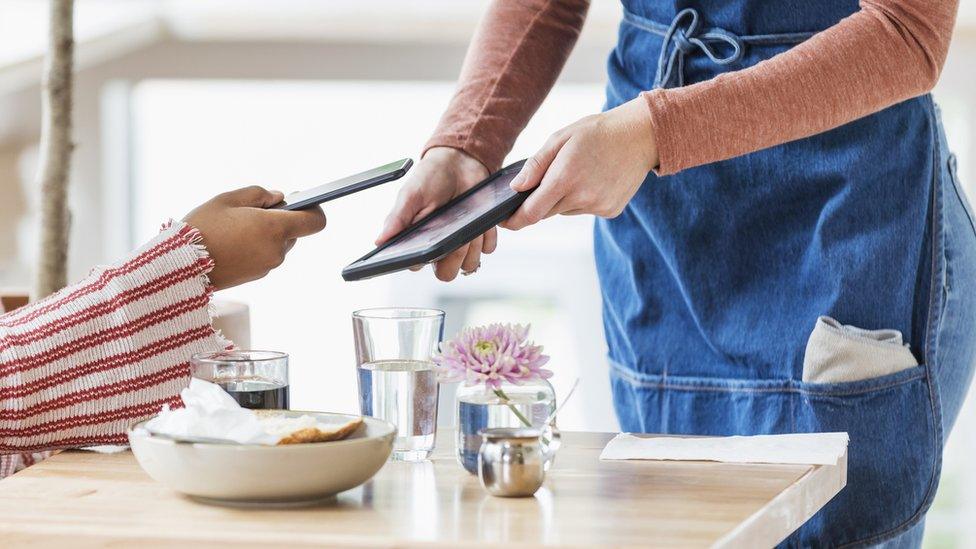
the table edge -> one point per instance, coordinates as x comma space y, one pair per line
809, 493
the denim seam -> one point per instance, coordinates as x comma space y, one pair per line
931, 345
957, 188
786, 390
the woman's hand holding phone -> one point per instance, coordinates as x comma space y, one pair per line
244, 238
442, 174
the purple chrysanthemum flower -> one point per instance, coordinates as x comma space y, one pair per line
490, 355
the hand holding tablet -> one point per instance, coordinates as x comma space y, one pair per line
446, 229
449, 227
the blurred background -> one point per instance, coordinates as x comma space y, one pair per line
178, 100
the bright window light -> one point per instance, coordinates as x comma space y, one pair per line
194, 139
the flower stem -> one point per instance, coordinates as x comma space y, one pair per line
501, 394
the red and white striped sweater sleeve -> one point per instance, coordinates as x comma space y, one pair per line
79, 367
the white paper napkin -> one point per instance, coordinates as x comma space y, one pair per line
801, 448
210, 412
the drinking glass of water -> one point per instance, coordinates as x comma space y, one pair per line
397, 381
256, 379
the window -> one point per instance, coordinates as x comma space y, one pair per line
194, 139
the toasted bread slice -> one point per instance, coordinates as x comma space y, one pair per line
322, 433
306, 428
315, 434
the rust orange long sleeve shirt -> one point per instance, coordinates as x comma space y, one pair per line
888, 51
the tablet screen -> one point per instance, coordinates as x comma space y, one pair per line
453, 220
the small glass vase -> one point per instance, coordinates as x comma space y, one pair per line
480, 407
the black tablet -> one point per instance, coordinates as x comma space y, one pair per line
446, 229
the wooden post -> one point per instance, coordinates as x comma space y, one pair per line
55, 151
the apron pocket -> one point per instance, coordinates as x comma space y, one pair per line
893, 456
837, 353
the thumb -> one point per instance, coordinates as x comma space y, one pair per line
299, 223
535, 166
253, 197
407, 206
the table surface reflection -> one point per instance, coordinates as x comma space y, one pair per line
86, 499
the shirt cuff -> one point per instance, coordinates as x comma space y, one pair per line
667, 132
483, 151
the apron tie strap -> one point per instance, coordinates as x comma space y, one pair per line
681, 39
686, 35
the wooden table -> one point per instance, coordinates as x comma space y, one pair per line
83, 499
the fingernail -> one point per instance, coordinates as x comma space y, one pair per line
517, 182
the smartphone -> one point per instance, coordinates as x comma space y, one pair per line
345, 186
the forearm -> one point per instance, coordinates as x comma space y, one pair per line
79, 367
889, 51
513, 61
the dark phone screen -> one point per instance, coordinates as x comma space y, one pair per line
450, 221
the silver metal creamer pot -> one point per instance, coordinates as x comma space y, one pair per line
512, 461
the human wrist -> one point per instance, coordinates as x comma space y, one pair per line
202, 243
458, 161
636, 118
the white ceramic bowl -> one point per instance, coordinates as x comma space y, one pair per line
267, 474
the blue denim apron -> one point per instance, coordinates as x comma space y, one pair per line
713, 278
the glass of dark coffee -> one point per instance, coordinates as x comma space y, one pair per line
256, 379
